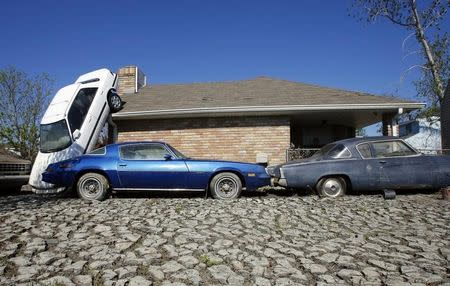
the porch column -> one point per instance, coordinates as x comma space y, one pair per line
390, 124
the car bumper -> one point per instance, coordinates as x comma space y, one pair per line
275, 182
13, 181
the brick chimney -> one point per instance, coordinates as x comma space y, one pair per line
130, 79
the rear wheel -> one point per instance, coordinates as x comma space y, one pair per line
331, 187
225, 186
114, 101
92, 187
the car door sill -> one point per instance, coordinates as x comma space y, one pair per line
156, 189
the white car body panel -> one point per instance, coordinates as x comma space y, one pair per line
95, 119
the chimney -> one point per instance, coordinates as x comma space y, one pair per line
130, 79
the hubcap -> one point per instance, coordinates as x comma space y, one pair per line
332, 187
115, 101
226, 187
91, 187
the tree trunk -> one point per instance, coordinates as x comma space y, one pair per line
422, 39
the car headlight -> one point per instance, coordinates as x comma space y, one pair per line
49, 169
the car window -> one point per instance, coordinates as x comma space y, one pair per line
143, 152
339, 152
364, 150
99, 151
54, 137
392, 149
80, 107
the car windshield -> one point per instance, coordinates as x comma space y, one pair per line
178, 153
54, 137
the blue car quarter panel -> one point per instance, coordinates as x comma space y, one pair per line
202, 171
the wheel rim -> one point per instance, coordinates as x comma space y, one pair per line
115, 102
91, 187
332, 187
226, 187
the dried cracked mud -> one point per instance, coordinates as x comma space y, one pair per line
265, 240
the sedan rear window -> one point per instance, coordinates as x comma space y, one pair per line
392, 149
339, 152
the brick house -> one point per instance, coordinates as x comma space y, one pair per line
247, 120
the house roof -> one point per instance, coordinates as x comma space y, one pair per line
262, 94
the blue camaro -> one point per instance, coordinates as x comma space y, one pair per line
152, 166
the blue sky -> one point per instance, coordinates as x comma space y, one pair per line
195, 41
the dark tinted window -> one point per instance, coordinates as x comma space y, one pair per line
143, 152
392, 149
80, 107
339, 152
364, 150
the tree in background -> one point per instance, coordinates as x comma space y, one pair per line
23, 102
424, 22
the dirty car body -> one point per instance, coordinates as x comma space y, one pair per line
131, 166
367, 164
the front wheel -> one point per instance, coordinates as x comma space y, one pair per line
114, 101
92, 187
331, 187
225, 186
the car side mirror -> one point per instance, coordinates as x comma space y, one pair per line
76, 134
168, 157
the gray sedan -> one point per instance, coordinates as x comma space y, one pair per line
374, 163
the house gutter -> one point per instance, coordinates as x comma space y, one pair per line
266, 110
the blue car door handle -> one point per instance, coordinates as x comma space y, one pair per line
122, 165
383, 162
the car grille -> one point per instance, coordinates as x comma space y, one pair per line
15, 169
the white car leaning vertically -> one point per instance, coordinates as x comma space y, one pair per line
72, 123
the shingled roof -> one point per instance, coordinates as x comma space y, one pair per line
262, 94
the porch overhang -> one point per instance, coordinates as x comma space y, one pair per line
359, 114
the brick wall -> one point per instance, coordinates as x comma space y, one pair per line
238, 138
445, 119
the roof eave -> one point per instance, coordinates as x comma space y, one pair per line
262, 110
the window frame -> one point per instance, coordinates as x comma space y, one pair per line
140, 144
370, 150
339, 158
381, 141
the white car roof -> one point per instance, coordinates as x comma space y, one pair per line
60, 103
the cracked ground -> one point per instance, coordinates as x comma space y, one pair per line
254, 240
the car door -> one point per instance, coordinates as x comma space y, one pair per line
144, 166
369, 178
400, 166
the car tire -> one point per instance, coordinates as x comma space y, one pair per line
92, 187
114, 101
225, 186
331, 187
